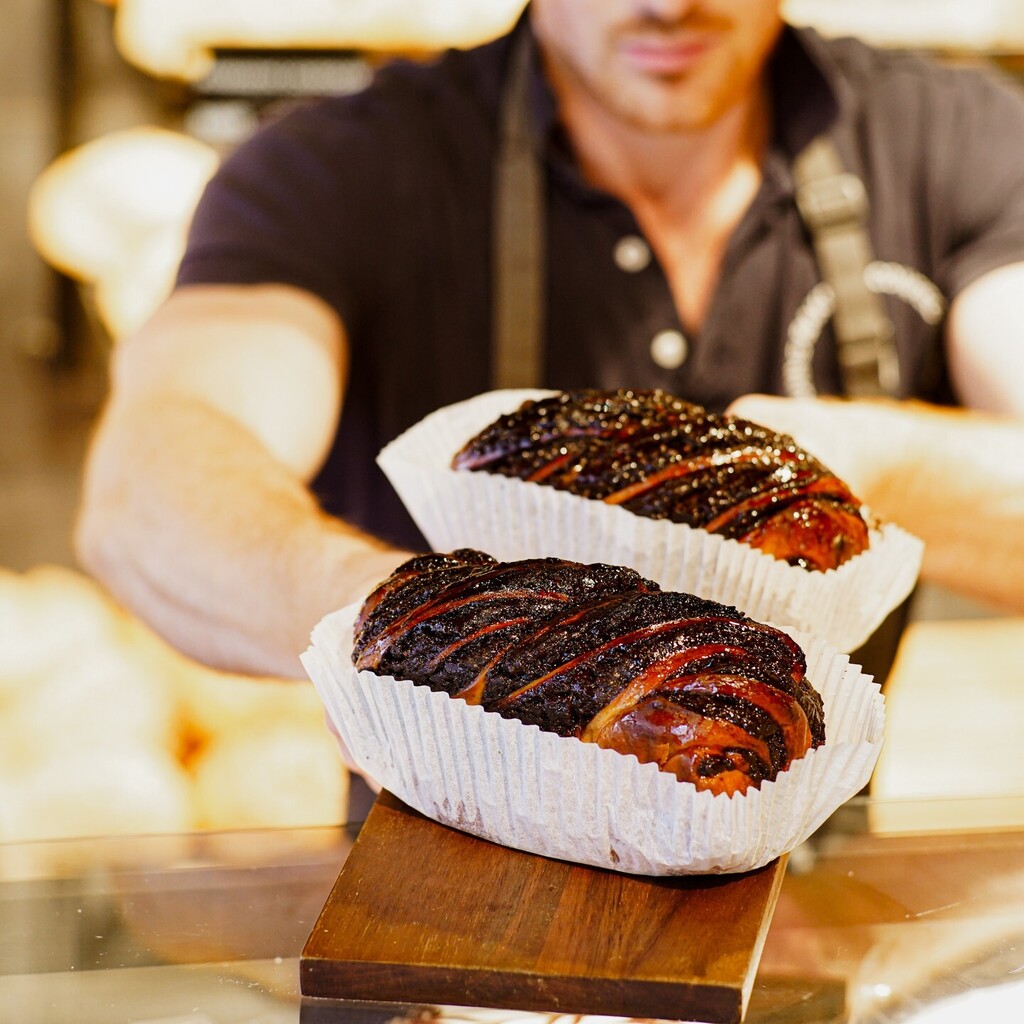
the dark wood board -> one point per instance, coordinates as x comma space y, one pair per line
423, 913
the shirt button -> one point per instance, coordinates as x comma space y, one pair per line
632, 254
669, 349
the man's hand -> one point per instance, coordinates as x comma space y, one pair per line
858, 441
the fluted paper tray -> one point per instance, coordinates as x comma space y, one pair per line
511, 519
535, 791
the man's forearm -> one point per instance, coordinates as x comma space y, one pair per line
956, 479
196, 528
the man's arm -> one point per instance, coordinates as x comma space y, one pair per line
195, 510
985, 342
954, 478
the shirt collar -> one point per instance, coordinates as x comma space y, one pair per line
809, 94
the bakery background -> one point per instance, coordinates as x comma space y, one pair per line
114, 115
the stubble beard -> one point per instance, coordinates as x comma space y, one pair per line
644, 112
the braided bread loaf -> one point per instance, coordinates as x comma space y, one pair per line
659, 456
599, 653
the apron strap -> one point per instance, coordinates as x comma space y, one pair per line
834, 204
518, 232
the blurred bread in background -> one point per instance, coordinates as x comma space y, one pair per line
105, 730
954, 707
113, 214
177, 40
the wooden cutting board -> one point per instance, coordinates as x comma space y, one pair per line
423, 913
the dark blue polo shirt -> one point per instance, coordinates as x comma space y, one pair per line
380, 203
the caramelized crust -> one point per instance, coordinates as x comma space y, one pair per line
599, 653
662, 457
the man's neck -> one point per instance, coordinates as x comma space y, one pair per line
676, 172
687, 190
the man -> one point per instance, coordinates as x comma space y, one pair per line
338, 287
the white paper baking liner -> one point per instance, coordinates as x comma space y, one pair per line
512, 519
516, 785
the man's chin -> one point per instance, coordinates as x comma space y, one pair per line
662, 111
668, 122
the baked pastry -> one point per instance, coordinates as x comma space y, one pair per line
662, 457
600, 653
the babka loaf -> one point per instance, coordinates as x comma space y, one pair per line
660, 456
599, 653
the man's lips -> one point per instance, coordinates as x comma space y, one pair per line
664, 55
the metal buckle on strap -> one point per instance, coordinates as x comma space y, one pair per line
863, 351
836, 199
871, 360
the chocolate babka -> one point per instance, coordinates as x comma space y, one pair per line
662, 457
599, 653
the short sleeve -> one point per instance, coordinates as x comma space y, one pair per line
982, 180
295, 205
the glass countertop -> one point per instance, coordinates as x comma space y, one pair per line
875, 924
